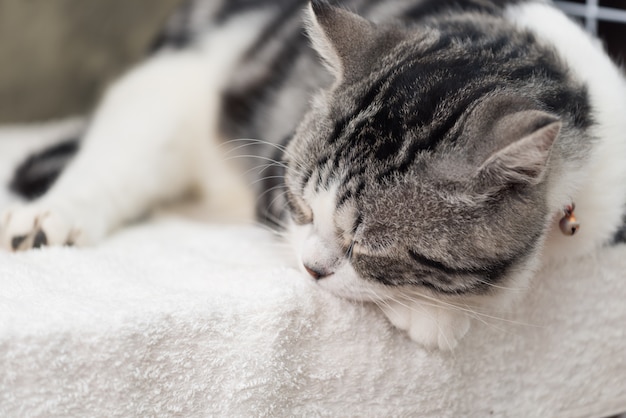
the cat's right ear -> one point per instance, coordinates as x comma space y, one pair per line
525, 157
508, 141
343, 39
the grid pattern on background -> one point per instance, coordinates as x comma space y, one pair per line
604, 18
593, 11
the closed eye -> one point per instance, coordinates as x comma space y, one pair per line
347, 223
357, 249
300, 211
348, 248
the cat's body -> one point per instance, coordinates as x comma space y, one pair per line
425, 166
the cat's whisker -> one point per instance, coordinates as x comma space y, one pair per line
282, 232
251, 141
466, 308
284, 190
414, 296
500, 287
283, 227
411, 303
430, 302
261, 169
439, 328
516, 289
347, 255
254, 140
421, 306
229, 156
266, 178
278, 196
260, 157
382, 303
298, 161
374, 299
384, 300
484, 321
271, 189
265, 167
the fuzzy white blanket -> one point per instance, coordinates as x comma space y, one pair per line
178, 318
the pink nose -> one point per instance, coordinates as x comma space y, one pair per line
317, 273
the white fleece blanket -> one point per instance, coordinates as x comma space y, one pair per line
177, 318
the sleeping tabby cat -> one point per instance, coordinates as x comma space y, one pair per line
423, 163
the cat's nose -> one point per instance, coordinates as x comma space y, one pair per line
316, 272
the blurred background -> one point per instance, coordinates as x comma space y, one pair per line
56, 56
604, 18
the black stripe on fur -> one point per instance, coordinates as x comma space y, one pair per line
37, 173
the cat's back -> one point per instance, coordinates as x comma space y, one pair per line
600, 194
528, 43
270, 88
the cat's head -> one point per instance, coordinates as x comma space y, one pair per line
415, 169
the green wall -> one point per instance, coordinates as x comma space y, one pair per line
56, 56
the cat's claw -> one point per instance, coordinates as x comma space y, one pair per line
33, 227
431, 326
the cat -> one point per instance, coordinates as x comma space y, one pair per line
421, 154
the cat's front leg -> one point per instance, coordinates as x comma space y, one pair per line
145, 145
427, 323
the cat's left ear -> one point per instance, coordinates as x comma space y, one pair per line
347, 42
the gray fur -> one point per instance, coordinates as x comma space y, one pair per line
442, 124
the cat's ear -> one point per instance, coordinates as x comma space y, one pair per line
343, 39
524, 159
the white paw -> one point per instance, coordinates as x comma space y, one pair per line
29, 227
432, 326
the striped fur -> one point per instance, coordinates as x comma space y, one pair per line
397, 124
424, 149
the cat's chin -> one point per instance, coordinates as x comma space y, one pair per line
347, 284
431, 324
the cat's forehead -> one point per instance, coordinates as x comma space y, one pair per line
330, 217
416, 199
374, 194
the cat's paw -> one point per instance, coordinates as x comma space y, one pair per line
432, 326
29, 227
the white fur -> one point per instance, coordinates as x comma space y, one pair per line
317, 243
317, 247
430, 324
598, 189
427, 320
153, 139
